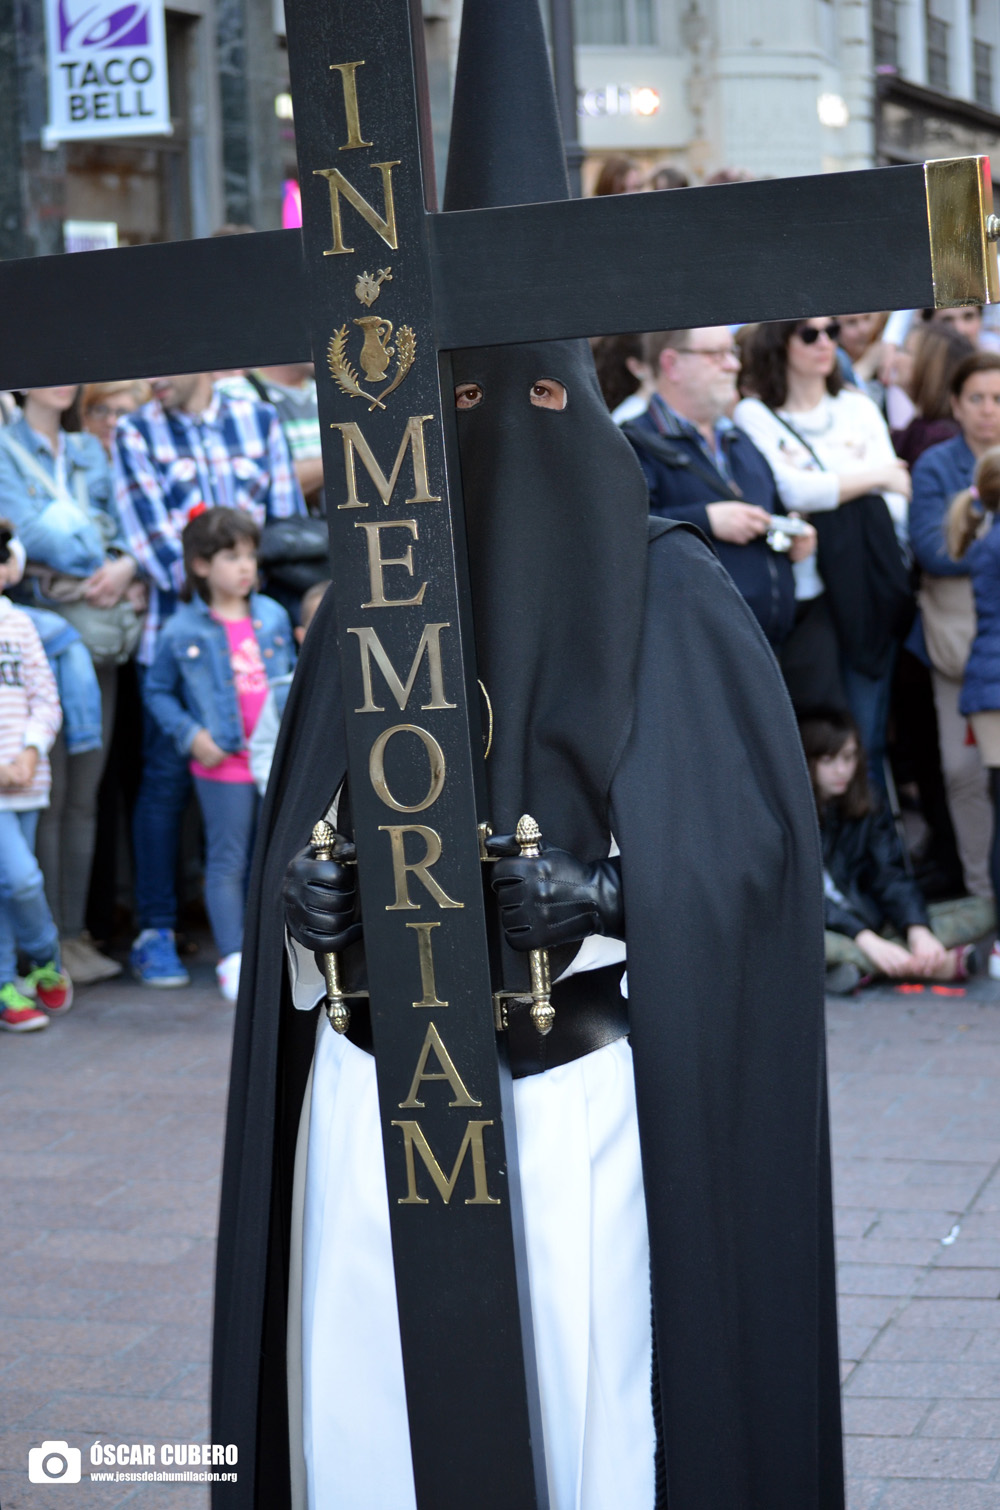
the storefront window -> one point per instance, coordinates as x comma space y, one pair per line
141, 184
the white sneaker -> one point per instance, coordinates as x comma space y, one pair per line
993, 966
85, 963
227, 973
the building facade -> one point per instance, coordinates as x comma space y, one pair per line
227, 160
770, 87
782, 87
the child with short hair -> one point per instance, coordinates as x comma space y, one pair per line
30, 717
206, 688
877, 922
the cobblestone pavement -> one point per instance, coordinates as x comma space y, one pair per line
111, 1129
915, 1082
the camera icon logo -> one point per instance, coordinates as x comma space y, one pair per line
54, 1463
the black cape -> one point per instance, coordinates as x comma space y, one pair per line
711, 805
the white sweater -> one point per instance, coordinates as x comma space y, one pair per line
30, 714
847, 433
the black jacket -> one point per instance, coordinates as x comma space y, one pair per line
863, 859
682, 480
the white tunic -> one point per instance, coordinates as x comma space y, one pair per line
588, 1266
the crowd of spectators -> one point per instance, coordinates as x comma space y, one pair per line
870, 431
163, 546
138, 658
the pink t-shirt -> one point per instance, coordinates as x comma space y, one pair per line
250, 680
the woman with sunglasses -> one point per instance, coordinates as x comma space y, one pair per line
826, 445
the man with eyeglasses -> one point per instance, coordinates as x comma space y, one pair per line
703, 470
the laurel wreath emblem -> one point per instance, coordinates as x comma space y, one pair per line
348, 379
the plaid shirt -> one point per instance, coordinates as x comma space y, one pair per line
297, 409
168, 461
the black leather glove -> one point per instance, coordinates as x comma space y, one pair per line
320, 898
556, 898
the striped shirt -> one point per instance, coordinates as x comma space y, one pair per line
30, 714
167, 462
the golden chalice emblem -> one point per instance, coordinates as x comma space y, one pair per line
376, 355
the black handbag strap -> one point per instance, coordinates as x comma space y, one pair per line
799, 437
258, 385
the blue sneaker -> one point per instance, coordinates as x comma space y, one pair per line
155, 961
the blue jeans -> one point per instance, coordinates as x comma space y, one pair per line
156, 823
868, 699
229, 815
79, 688
25, 920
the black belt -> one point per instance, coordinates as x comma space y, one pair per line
590, 1013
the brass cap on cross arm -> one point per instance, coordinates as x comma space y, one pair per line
962, 228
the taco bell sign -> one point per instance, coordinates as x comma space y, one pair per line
107, 69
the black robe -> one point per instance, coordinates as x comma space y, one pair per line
713, 811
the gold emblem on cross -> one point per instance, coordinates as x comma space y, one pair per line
375, 356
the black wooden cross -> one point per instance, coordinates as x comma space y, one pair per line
377, 289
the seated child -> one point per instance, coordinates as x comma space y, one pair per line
206, 688
876, 919
29, 721
265, 735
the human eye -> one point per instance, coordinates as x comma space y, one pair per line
468, 395
548, 393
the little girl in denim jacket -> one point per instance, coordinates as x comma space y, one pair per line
206, 689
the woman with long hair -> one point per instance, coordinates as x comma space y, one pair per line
829, 446
947, 623
877, 922
938, 352
626, 378
619, 174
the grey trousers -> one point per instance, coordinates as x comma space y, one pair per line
67, 827
966, 787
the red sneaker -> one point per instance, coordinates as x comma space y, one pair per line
51, 988
18, 1014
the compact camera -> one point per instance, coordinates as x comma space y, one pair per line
782, 531
54, 1463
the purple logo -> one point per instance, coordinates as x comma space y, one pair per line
100, 24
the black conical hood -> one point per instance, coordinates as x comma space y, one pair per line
556, 506
506, 146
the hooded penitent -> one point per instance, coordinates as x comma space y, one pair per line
556, 516
633, 694
555, 505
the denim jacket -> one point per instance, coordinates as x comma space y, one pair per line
190, 683
76, 679
72, 534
